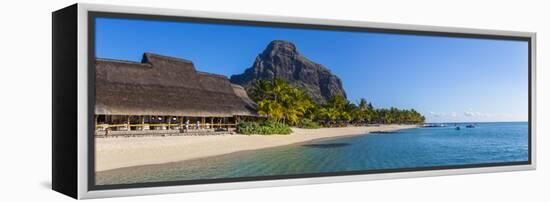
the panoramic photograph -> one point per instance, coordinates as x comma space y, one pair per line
190, 101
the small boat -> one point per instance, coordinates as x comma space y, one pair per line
457, 128
470, 126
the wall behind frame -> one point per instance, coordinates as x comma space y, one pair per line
26, 90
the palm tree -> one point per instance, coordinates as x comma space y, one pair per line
337, 102
280, 101
285, 104
362, 104
362, 113
272, 109
266, 94
329, 115
260, 90
297, 104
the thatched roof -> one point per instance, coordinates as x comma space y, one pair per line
241, 92
167, 86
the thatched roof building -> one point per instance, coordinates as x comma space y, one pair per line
166, 86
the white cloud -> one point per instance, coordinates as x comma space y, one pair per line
444, 114
453, 114
476, 114
470, 115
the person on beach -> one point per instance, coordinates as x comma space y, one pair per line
198, 125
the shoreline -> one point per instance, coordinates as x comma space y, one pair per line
114, 153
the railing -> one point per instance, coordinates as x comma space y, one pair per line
202, 125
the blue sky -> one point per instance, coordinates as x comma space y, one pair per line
446, 79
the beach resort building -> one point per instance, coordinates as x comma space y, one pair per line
164, 95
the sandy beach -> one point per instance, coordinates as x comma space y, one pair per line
112, 153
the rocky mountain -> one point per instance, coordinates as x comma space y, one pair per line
282, 60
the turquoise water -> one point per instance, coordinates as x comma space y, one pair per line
410, 148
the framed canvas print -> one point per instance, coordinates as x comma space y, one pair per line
149, 101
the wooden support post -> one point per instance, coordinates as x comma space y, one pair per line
128, 123
225, 123
169, 122
142, 122
108, 120
236, 122
203, 122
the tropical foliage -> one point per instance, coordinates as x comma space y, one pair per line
281, 102
284, 104
308, 123
263, 128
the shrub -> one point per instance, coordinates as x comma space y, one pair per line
263, 128
308, 123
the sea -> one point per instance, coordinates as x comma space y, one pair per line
420, 148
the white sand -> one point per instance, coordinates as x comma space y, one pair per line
121, 152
